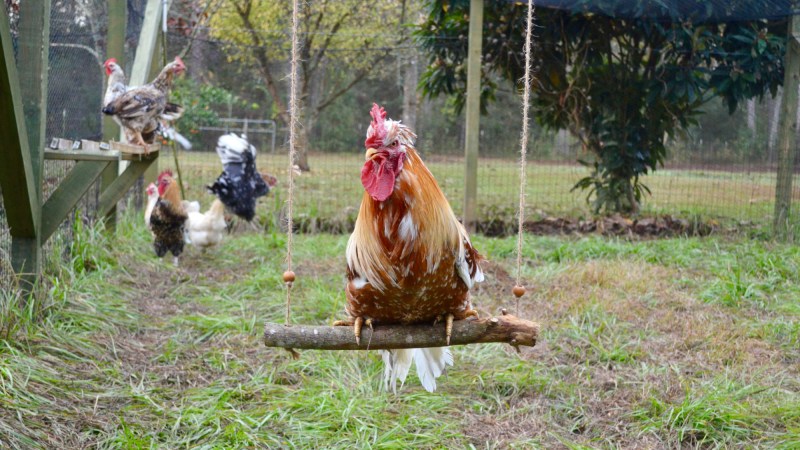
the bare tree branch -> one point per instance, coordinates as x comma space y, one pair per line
507, 328
82, 47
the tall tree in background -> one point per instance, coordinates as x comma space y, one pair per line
619, 85
350, 37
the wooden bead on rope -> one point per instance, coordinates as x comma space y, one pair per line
518, 291
288, 277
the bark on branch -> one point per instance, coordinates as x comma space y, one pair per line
506, 328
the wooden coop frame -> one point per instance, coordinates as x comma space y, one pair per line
23, 117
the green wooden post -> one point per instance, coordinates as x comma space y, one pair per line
145, 61
473, 112
115, 48
33, 62
148, 43
788, 129
16, 172
31, 85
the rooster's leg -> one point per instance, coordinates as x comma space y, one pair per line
357, 329
175, 261
140, 141
448, 327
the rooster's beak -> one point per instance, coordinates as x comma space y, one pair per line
370, 153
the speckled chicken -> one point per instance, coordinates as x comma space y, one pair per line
139, 109
409, 259
117, 85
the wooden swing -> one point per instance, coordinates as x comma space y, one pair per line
504, 328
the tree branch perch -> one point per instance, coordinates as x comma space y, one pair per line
506, 328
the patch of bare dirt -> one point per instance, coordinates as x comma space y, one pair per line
676, 340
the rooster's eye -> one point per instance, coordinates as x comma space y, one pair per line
395, 143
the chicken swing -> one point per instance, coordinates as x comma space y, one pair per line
504, 328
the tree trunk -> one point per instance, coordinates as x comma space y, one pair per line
198, 56
410, 97
773, 126
751, 116
562, 142
304, 127
633, 205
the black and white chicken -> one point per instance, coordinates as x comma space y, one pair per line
240, 184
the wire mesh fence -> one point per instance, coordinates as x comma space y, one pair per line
724, 169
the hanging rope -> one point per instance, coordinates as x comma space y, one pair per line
519, 289
289, 276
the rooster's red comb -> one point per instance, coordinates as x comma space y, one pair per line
163, 174
378, 128
109, 61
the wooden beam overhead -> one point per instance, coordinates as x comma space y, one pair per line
16, 172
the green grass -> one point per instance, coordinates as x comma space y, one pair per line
332, 190
645, 344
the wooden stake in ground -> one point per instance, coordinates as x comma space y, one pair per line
505, 328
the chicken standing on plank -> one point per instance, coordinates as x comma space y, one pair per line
139, 109
409, 259
117, 82
168, 219
117, 85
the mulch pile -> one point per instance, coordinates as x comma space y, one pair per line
615, 225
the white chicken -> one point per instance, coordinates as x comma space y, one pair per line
152, 197
207, 229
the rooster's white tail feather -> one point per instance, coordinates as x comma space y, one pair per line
431, 363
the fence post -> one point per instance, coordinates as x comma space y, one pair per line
473, 112
115, 48
146, 51
34, 38
788, 130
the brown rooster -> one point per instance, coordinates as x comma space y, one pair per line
139, 109
168, 218
409, 259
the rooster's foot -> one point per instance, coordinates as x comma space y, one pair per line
471, 313
356, 323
